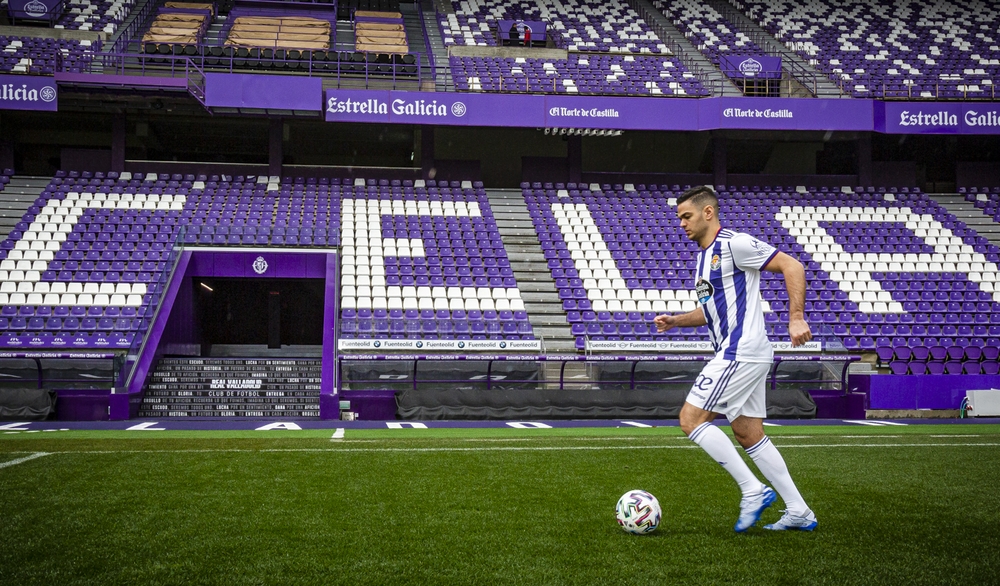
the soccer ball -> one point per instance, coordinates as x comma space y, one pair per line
638, 512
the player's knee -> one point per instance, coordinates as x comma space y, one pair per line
689, 420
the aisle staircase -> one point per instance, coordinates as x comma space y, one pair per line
16, 198
541, 299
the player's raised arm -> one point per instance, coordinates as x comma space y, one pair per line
691, 319
795, 282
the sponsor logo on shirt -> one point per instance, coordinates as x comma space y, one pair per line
704, 290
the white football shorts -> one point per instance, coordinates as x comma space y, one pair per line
731, 388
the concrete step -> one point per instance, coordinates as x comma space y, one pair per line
530, 266
537, 287
540, 297
15, 199
551, 332
548, 320
543, 308
967, 212
528, 248
524, 256
541, 300
523, 241
501, 213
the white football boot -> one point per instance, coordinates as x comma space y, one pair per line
790, 522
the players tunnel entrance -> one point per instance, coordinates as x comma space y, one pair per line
252, 303
271, 312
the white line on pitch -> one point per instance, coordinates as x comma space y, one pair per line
24, 459
635, 424
881, 422
519, 448
767, 424
863, 422
338, 434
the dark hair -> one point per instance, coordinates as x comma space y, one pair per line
700, 197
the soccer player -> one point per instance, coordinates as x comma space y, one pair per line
732, 383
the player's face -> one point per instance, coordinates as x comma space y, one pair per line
692, 221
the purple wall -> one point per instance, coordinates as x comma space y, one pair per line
920, 391
182, 335
275, 265
329, 404
280, 92
83, 404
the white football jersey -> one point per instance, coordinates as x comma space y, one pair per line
728, 288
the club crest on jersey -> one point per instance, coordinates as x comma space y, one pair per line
716, 262
704, 290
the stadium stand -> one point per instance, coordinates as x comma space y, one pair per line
986, 199
923, 50
437, 270
917, 276
88, 258
577, 74
709, 31
104, 15
45, 56
425, 261
580, 25
610, 51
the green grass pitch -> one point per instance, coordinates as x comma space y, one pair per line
896, 505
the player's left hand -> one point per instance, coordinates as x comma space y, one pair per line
799, 330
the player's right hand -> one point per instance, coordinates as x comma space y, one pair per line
664, 322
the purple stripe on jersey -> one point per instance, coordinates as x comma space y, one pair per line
719, 295
704, 309
740, 285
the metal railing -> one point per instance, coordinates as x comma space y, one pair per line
889, 89
369, 69
137, 23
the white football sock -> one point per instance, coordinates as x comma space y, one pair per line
718, 445
773, 467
